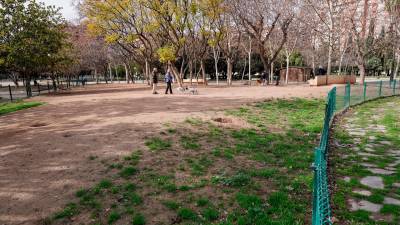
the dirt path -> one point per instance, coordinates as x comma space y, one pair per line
44, 151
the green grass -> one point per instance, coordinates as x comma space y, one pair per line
138, 219
16, 106
384, 112
158, 144
256, 175
113, 217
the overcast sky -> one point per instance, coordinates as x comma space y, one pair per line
67, 9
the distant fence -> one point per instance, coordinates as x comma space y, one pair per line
339, 99
13, 93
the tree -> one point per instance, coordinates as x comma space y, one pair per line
260, 20
32, 35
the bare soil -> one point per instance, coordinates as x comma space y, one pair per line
44, 151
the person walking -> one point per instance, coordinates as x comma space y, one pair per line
154, 78
169, 79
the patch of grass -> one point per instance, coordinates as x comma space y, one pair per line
113, 217
365, 117
240, 179
128, 172
105, 184
210, 214
171, 204
158, 144
187, 214
194, 121
200, 166
6, 108
138, 219
391, 209
132, 198
69, 211
134, 158
202, 202
189, 143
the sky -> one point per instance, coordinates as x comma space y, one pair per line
68, 10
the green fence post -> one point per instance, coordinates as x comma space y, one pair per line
348, 94
380, 88
365, 91
394, 87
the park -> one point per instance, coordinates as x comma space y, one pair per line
226, 112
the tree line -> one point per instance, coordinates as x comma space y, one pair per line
194, 38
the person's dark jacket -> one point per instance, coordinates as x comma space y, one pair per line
155, 78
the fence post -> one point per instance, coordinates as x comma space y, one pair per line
48, 86
394, 87
365, 91
348, 93
380, 88
9, 90
38, 87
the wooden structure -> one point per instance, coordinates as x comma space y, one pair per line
296, 74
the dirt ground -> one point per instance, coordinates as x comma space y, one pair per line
44, 151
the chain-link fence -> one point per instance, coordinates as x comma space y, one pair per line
339, 99
13, 93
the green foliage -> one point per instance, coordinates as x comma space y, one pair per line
210, 214
113, 217
128, 172
296, 59
157, 144
12, 107
189, 143
238, 180
166, 54
69, 211
187, 214
138, 219
171, 204
37, 38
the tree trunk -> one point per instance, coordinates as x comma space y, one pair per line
96, 75
216, 65
176, 74
28, 86
126, 73
271, 77
396, 71
110, 71
191, 72
203, 72
361, 67
250, 64
147, 72
229, 71
54, 83
287, 68
330, 50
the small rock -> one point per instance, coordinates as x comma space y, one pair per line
362, 192
397, 185
347, 179
380, 171
368, 165
373, 182
386, 142
372, 138
364, 205
367, 154
369, 149
391, 201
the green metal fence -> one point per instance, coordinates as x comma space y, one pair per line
339, 99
